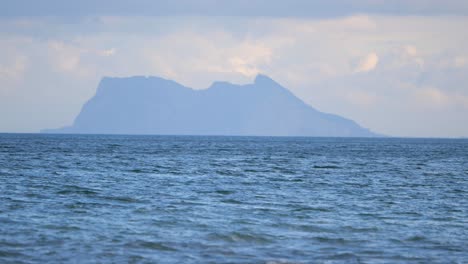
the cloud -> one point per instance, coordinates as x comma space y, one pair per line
198, 58
460, 61
351, 23
65, 57
411, 53
368, 63
248, 58
77, 57
403, 58
243, 67
410, 50
361, 98
107, 52
15, 69
433, 96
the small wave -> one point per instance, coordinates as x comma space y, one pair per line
137, 171
252, 171
231, 201
4, 253
415, 214
62, 227
416, 238
332, 240
85, 192
371, 252
361, 229
314, 229
316, 209
444, 219
344, 256
225, 192
297, 180
154, 245
326, 167
281, 261
122, 199
240, 237
73, 189
12, 244
83, 205
228, 173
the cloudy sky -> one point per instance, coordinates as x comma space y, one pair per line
397, 67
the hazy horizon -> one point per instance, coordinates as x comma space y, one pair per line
399, 68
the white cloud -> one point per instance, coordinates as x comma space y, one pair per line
107, 52
433, 96
65, 57
460, 61
247, 58
410, 50
14, 69
356, 22
368, 63
411, 53
198, 59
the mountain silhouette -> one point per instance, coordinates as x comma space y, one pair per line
152, 105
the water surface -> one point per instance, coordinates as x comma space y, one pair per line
177, 199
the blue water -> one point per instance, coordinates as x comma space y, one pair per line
143, 199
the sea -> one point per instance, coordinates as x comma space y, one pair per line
221, 199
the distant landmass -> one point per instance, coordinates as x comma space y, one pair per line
152, 105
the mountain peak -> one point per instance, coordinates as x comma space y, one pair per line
262, 79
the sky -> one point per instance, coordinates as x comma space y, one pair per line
397, 67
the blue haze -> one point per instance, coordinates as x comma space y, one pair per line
151, 105
177, 199
258, 8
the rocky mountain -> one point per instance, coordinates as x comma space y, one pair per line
152, 105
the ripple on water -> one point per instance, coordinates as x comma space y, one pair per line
240, 237
313, 229
335, 240
13, 254
345, 256
153, 245
122, 199
416, 238
146, 199
355, 229
64, 227
74, 189
326, 167
225, 192
231, 201
313, 209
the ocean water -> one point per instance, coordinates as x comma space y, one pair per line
177, 199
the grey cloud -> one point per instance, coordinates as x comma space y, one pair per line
291, 8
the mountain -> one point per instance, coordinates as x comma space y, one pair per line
152, 105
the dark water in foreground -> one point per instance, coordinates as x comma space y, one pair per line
80, 199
